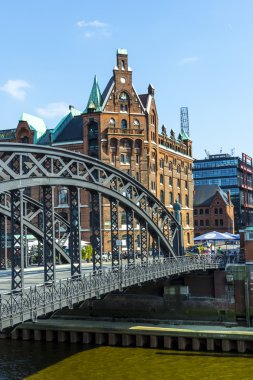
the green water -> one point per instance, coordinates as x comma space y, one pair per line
137, 363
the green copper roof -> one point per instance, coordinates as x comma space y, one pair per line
64, 121
184, 135
95, 100
35, 123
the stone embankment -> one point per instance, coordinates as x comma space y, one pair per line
127, 334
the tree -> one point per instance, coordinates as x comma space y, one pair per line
87, 253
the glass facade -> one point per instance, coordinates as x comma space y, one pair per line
224, 171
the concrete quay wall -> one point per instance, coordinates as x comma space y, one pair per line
126, 334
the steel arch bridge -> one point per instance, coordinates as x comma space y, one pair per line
25, 166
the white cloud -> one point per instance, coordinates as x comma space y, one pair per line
189, 60
91, 24
52, 110
94, 28
16, 88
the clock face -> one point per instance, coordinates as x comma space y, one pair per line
123, 80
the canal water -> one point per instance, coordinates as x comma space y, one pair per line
47, 361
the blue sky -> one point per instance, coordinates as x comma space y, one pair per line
196, 53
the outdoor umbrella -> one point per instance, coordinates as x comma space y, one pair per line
214, 236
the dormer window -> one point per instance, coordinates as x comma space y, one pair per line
123, 96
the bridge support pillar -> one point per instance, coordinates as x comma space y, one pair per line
167, 342
49, 335
127, 340
141, 340
114, 233
61, 336
96, 238
15, 334
100, 338
74, 238
226, 345
73, 337
130, 237
49, 234
182, 342
153, 341
87, 338
241, 346
210, 344
26, 334
195, 344
113, 339
37, 335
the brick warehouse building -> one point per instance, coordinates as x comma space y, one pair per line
120, 128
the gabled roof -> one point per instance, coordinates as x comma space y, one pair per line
64, 122
72, 131
144, 99
204, 195
95, 99
35, 123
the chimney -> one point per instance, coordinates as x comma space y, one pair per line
229, 197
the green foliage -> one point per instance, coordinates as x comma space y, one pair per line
87, 253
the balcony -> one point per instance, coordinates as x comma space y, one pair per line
126, 131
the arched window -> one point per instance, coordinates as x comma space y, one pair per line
123, 124
179, 198
113, 143
162, 196
188, 238
63, 197
136, 123
123, 96
186, 201
137, 145
122, 65
171, 198
112, 121
187, 218
123, 217
25, 140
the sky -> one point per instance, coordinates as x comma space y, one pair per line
196, 53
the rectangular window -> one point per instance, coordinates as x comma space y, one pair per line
201, 223
137, 159
216, 222
196, 223
122, 158
207, 223
207, 211
128, 160
221, 222
161, 178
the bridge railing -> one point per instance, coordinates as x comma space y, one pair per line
30, 303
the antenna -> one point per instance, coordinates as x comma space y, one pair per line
221, 150
232, 152
184, 118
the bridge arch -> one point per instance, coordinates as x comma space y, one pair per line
23, 166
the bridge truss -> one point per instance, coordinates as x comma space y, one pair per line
25, 166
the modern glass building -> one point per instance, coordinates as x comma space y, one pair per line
232, 174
